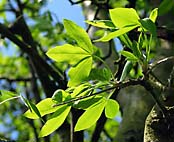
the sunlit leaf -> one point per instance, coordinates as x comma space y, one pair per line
122, 17
100, 74
90, 116
67, 53
80, 72
55, 121
81, 89
79, 35
102, 24
111, 108
86, 103
127, 68
153, 15
129, 55
117, 33
45, 107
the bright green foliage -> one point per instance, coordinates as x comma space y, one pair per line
55, 121
67, 53
81, 90
80, 57
90, 116
123, 17
117, 33
111, 108
127, 68
80, 72
102, 24
79, 35
130, 56
100, 74
45, 107
153, 15
86, 103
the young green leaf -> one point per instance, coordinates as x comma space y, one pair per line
80, 72
111, 108
34, 109
122, 17
88, 102
148, 25
117, 33
58, 95
80, 89
79, 35
102, 24
67, 53
130, 56
90, 116
100, 74
136, 50
127, 68
125, 40
44, 107
153, 15
55, 121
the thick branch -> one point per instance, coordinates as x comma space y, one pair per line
15, 79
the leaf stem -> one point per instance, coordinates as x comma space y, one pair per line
9, 99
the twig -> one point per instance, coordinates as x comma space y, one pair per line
95, 17
17, 97
110, 51
15, 79
155, 64
77, 2
118, 85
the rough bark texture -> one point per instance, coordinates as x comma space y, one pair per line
136, 103
158, 128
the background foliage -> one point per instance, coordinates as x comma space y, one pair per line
87, 88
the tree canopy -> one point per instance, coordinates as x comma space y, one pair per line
109, 81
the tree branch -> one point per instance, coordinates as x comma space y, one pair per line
116, 86
77, 2
15, 79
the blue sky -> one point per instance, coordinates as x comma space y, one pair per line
64, 9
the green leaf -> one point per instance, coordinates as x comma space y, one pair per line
55, 121
125, 40
165, 6
129, 55
111, 108
34, 109
87, 102
117, 33
102, 23
44, 107
100, 74
80, 72
58, 95
67, 53
81, 89
148, 25
126, 70
153, 15
122, 17
90, 116
79, 35
7, 94
136, 50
